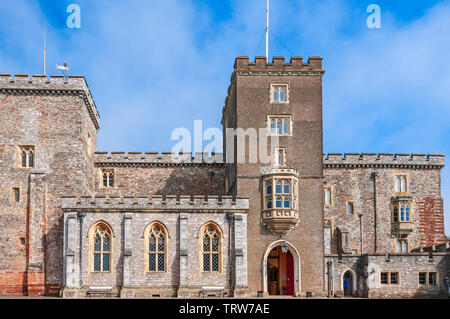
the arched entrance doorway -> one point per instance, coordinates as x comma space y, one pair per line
281, 270
348, 283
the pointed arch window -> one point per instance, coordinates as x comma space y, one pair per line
278, 187
211, 248
101, 244
279, 93
278, 202
286, 187
27, 155
108, 178
156, 245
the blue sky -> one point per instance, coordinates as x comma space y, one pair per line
153, 66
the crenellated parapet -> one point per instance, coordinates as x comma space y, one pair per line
145, 159
385, 160
22, 84
156, 203
278, 66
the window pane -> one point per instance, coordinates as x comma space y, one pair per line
161, 243
206, 266
327, 196
272, 127
422, 278
111, 180
402, 214
278, 202
269, 202
215, 262
403, 185
206, 244
395, 214
404, 246
97, 243
215, 244
275, 95
407, 213
350, 208
30, 159
105, 179
160, 262
282, 95
152, 262
280, 157
105, 262
269, 189
399, 247
397, 184
97, 262
24, 159
432, 279
279, 127
287, 202
394, 278
384, 277
286, 127
287, 187
106, 243
278, 187
152, 243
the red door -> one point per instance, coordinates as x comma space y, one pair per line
289, 274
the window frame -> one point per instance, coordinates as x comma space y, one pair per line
13, 195
279, 117
406, 178
325, 189
27, 149
202, 233
401, 241
110, 172
276, 87
147, 232
389, 274
427, 279
276, 157
92, 233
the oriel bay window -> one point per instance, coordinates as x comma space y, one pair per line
284, 195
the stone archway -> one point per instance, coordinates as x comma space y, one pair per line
296, 266
348, 282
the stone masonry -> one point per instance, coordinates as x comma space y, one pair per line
49, 211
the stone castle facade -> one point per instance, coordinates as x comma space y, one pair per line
76, 222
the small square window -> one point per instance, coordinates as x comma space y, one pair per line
432, 279
422, 278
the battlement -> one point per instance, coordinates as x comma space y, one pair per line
383, 159
48, 85
278, 64
155, 203
155, 158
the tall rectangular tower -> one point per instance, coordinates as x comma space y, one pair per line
48, 132
285, 221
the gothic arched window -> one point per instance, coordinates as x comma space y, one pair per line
287, 187
211, 248
101, 247
156, 245
278, 187
278, 202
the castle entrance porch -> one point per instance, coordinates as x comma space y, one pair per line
281, 270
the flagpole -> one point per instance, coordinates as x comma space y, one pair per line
45, 44
267, 32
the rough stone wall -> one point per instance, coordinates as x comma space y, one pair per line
157, 180
355, 183
247, 106
52, 115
